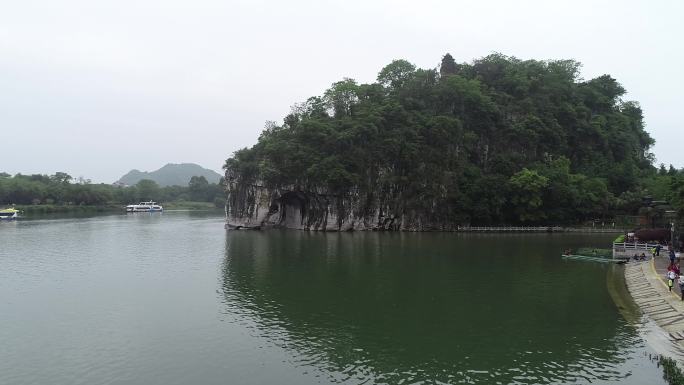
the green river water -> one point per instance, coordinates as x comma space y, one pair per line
174, 298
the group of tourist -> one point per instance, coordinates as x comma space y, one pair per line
655, 251
674, 273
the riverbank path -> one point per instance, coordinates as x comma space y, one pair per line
646, 283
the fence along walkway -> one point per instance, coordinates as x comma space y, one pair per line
629, 249
535, 229
638, 246
509, 228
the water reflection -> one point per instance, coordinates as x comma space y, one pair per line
428, 308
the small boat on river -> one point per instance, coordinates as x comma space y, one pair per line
144, 207
593, 255
9, 214
588, 258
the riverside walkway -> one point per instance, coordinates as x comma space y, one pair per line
646, 284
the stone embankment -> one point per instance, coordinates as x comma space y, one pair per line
646, 284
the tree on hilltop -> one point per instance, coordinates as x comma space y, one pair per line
448, 66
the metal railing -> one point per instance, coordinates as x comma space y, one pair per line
625, 246
537, 229
509, 228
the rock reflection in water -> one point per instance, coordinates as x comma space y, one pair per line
428, 308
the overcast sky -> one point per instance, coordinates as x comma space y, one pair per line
96, 88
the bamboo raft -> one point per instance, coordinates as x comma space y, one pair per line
587, 258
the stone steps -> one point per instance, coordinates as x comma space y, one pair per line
655, 300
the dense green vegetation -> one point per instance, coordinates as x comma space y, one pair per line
171, 175
499, 140
667, 185
671, 372
56, 192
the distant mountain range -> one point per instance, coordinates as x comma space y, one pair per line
171, 175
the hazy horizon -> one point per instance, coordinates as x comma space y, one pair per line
117, 178
98, 89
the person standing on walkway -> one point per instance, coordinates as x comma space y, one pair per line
671, 276
672, 255
681, 285
658, 250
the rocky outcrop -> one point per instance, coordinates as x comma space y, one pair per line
254, 206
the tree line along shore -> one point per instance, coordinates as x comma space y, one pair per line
59, 192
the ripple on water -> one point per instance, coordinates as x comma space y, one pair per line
345, 353
172, 300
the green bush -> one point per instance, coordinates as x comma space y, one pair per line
671, 372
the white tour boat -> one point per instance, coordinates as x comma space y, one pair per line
144, 207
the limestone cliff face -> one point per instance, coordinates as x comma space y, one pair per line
253, 206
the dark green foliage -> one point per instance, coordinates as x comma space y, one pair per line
499, 140
663, 185
57, 190
396, 74
198, 188
147, 189
448, 66
527, 189
676, 194
671, 372
201, 190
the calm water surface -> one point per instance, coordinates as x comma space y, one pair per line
175, 299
